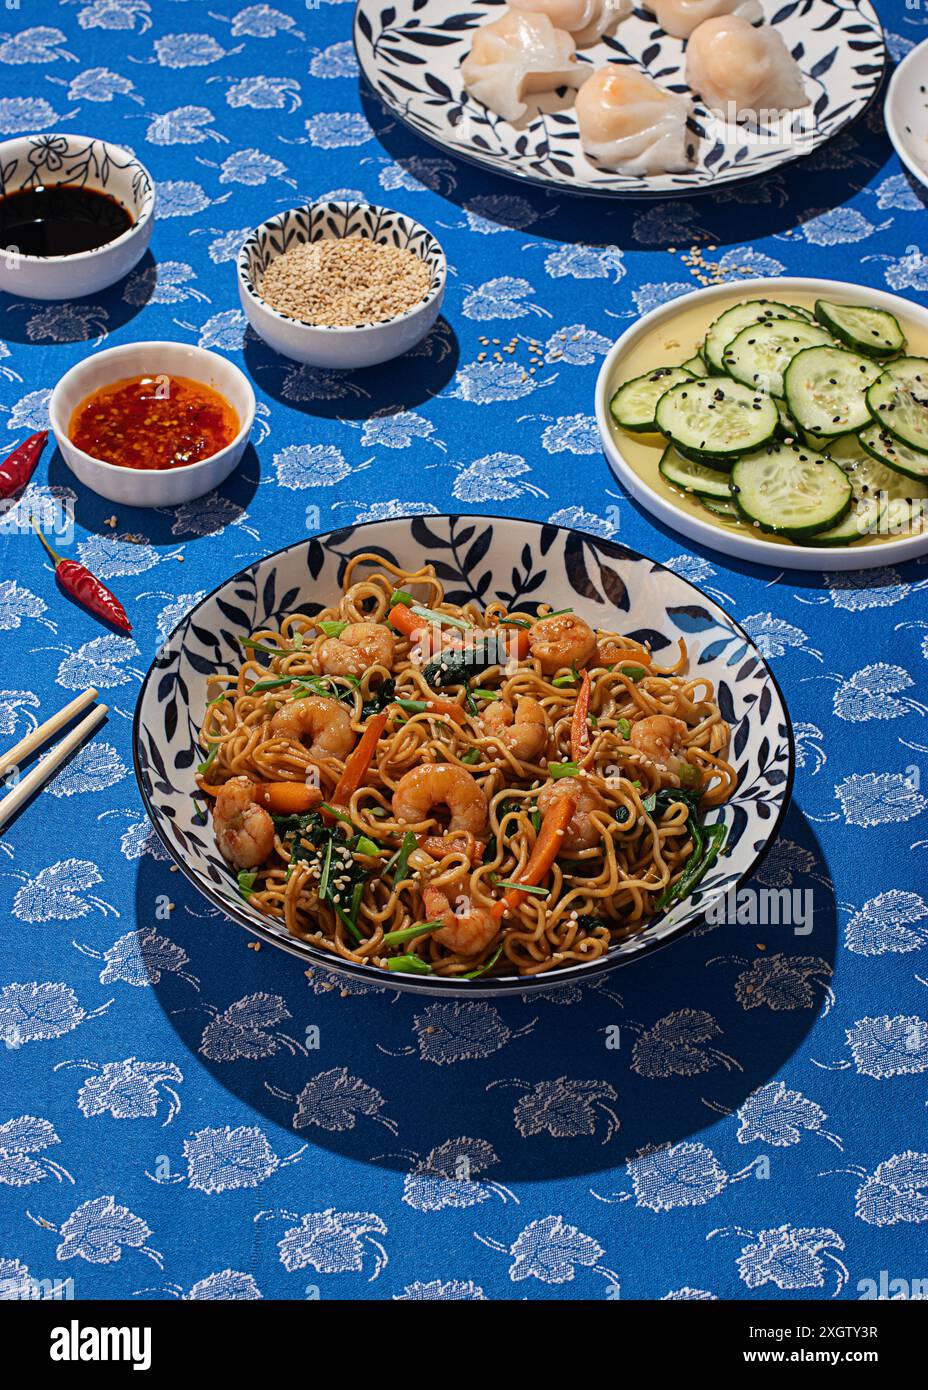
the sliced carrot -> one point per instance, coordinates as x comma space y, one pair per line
580, 728
360, 760
405, 621
287, 798
547, 848
447, 707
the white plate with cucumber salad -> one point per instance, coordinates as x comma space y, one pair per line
782, 421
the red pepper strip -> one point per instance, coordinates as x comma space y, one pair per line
579, 728
360, 760
440, 845
18, 467
405, 621
77, 580
545, 851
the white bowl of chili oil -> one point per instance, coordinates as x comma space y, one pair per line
182, 416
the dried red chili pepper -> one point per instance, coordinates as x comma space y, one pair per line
17, 468
77, 580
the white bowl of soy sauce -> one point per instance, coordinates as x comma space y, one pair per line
76, 215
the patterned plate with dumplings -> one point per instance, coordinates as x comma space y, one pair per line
411, 51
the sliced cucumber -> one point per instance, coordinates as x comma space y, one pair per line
880, 496
695, 364
693, 477
786, 426
893, 453
801, 313
825, 389
898, 401
759, 355
790, 492
902, 516
729, 324
633, 404
874, 332
727, 511
714, 418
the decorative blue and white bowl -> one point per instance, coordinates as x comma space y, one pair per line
34, 161
320, 345
479, 558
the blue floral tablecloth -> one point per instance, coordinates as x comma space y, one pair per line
186, 1115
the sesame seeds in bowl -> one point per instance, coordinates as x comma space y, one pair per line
341, 284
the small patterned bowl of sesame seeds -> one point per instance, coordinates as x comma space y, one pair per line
341, 284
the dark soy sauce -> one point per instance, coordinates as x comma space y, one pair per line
60, 220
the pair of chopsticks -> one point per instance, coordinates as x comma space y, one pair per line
22, 791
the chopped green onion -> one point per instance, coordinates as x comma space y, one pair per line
246, 882
334, 811
256, 646
563, 769
272, 684
343, 917
366, 846
332, 629
514, 622
210, 759
487, 694
523, 887
649, 803
624, 727
536, 819
561, 681
217, 699
393, 938
402, 857
413, 706
556, 613
379, 812
634, 673
487, 965
401, 596
433, 616
471, 756
409, 965
326, 866
356, 897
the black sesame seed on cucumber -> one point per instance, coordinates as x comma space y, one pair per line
873, 332
634, 403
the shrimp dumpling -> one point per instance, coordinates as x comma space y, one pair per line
585, 20
680, 17
630, 123
740, 71
517, 55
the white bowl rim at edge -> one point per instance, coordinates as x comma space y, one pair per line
349, 330
889, 114
145, 214
182, 469
732, 544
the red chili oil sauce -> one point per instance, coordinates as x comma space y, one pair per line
154, 422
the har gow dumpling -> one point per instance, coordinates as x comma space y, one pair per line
740, 71
585, 20
630, 123
680, 17
517, 55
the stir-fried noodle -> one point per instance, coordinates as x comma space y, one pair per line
437, 788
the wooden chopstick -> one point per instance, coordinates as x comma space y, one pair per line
43, 733
52, 760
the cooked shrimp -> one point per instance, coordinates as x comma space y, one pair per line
582, 833
466, 930
561, 640
323, 726
423, 788
660, 738
359, 647
525, 732
244, 831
